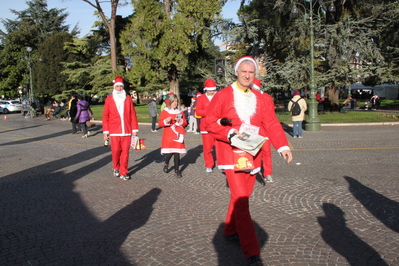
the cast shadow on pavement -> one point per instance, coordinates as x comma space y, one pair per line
191, 157
229, 252
17, 129
145, 160
344, 241
383, 208
45, 221
38, 138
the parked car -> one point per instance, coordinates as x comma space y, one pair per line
8, 106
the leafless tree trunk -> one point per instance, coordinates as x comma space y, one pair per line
110, 25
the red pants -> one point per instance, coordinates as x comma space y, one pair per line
120, 147
267, 159
208, 141
238, 218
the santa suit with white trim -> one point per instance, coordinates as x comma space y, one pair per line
120, 122
241, 107
208, 140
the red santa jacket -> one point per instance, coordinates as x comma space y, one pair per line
115, 124
171, 131
202, 110
223, 106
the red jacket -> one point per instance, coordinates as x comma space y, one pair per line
114, 124
202, 110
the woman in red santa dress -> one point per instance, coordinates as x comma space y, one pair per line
244, 106
173, 122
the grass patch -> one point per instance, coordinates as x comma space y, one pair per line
284, 116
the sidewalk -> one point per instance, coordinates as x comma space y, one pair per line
335, 204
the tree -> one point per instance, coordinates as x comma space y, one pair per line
162, 36
48, 79
110, 23
31, 27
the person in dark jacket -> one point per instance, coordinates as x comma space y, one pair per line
83, 115
73, 109
153, 112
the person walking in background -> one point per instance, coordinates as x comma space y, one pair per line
73, 109
83, 114
208, 140
197, 117
119, 124
173, 122
297, 115
192, 121
153, 112
184, 109
244, 107
266, 152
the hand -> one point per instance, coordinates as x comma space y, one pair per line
134, 133
168, 119
287, 156
106, 137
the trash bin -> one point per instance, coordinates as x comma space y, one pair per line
353, 104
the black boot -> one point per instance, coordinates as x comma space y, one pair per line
178, 173
165, 167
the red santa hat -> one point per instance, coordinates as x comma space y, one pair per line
198, 94
118, 81
256, 84
243, 59
171, 93
194, 99
209, 85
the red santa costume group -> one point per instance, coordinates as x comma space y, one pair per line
173, 122
266, 156
208, 140
243, 105
119, 124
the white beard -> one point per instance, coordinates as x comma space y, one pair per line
119, 98
245, 104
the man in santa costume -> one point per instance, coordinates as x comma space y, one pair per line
119, 125
266, 156
208, 140
245, 107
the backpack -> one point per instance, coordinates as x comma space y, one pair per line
295, 108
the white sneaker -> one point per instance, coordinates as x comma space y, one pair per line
116, 173
209, 170
269, 179
84, 136
88, 133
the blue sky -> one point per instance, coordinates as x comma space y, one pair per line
81, 13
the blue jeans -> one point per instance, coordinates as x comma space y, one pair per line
297, 128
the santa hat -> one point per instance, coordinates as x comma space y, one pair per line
198, 94
118, 81
171, 93
194, 98
209, 85
246, 58
296, 92
256, 84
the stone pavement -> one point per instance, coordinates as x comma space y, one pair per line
336, 204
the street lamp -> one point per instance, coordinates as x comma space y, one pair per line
31, 96
313, 122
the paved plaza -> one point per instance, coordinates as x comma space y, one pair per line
337, 203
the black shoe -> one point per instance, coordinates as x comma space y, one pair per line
178, 174
165, 168
255, 261
234, 238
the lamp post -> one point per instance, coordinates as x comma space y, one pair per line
31, 95
313, 122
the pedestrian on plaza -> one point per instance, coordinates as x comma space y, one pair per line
297, 117
192, 121
197, 117
184, 109
266, 152
208, 140
83, 114
153, 112
173, 122
245, 108
73, 109
119, 125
